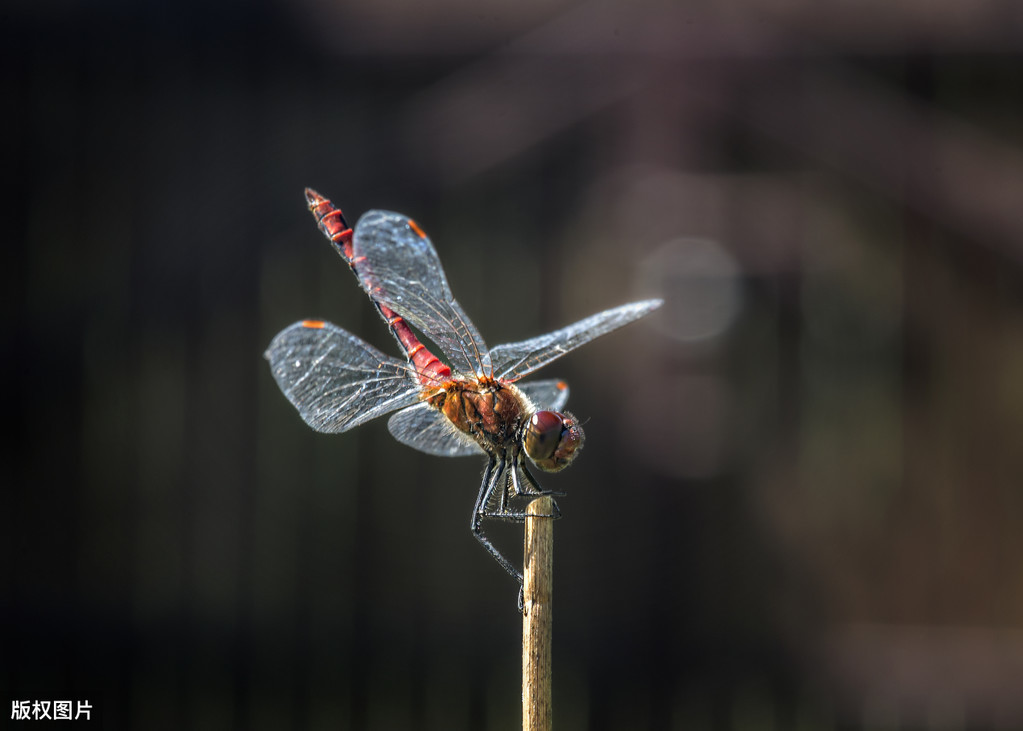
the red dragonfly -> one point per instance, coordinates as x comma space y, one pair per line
469, 405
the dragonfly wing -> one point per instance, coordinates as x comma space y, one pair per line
402, 271
551, 395
425, 428
336, 380
515, 360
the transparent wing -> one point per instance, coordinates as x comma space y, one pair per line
425, 428
336, 380
515, 360
402, 270
551, 395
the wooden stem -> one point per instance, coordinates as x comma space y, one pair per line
537, 584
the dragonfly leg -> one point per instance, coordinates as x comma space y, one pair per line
523, 485
493, 478
532, 487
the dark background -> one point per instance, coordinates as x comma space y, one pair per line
800, 502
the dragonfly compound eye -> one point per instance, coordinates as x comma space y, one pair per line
552, 440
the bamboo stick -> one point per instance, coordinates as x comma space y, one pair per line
537, 585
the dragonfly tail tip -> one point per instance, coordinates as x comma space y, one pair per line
313, 198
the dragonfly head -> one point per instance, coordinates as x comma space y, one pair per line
552, 440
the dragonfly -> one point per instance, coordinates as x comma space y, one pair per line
470, 403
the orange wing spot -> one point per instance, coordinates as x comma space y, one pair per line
415, 227
314, 324
562, 385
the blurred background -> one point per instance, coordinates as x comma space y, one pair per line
800, 503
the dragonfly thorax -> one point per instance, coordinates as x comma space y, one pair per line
492, 413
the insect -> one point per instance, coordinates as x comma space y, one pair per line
470, 404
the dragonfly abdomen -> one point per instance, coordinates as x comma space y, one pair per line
332, 223
429, 367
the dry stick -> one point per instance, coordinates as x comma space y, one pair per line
537, 583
